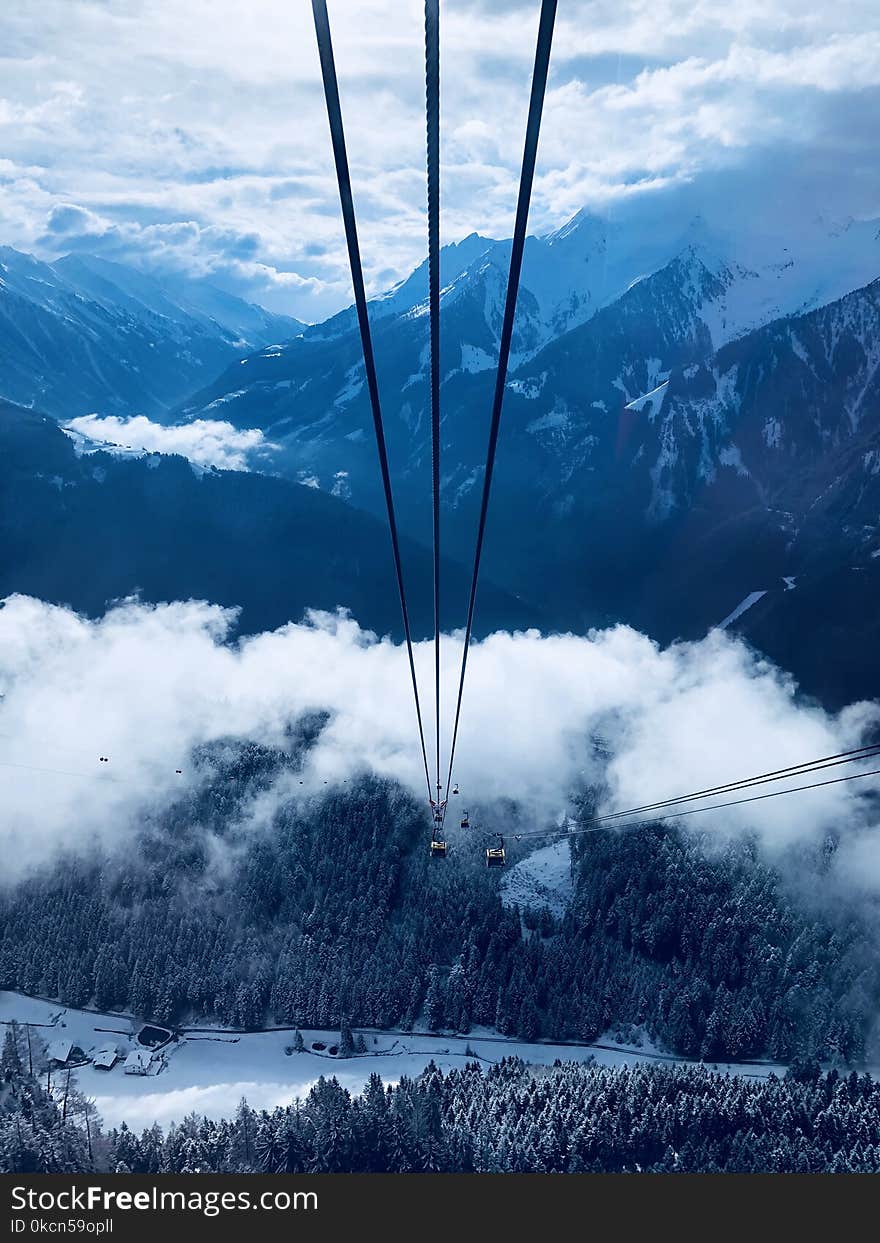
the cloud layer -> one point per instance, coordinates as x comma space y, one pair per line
206, 442
544, 717
193, 136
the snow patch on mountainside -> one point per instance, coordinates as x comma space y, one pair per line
354, 382
554, 420
771, 433
542, 879
530, 389
225, 398
474, 359
731, 456
744, 605
648, 400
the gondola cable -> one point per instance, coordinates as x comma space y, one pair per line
113, 779
432, 134
343, 177
730, 787
533, 126
693, 811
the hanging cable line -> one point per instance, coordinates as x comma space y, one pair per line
432, 126
694, 811
533, 126
598, 824
779, 774
343, 177
56, 772
125, 778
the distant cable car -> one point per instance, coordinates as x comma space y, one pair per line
455, 789
438, 849
495, 855
465, 820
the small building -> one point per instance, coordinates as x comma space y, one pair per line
106, 1059
63, 1053
138, 1062
59, 1051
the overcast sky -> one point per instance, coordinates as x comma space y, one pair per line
190, 135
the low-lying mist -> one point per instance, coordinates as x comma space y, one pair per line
206, 442
543, 719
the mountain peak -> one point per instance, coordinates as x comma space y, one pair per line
584, 222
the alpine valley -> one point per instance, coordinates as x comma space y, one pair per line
691, 422
211, 808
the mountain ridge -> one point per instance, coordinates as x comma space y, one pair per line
84, 335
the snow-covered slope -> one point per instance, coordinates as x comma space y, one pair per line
175, 298
541, 879
84, 335
605, 312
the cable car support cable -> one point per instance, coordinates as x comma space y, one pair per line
692, 811
343, 177
533, 126
745, 783
432, 128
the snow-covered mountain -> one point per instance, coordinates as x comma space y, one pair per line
676, 408
177, 298
603, 318
83, 334
605, 312
792, 408
572, 273
688, 414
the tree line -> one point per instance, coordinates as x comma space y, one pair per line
569, 1118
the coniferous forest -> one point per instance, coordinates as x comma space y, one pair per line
565, 1119
331, 912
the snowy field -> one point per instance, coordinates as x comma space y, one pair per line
543, 878
209, 1073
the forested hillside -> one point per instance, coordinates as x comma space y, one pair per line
569, 1119
334, 912
85, 529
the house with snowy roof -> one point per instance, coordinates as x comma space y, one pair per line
106, 1058
64, 1053
138, 1062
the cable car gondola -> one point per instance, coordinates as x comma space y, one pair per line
495, 855
455, 789
438, 849
465, 820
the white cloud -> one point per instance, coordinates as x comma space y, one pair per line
143, 685
199, 131
206, 442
